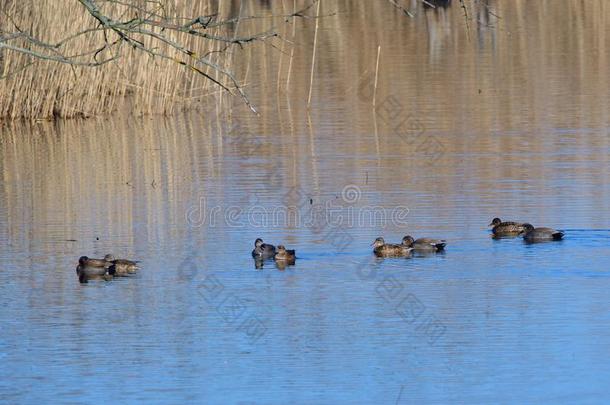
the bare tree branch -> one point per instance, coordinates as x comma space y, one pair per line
144, 25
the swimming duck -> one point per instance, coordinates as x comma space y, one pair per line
90, 262
86, 271
121, 266
382, 249
263, 250
285, 255
541, 234
424, 244
507, 228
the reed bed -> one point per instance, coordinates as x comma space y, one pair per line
141, 84
131, 78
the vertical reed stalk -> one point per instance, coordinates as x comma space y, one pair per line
294, 33
376, 75
313, 55
279, 66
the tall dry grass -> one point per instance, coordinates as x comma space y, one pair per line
347, 41
136, 81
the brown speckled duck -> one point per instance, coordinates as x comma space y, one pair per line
506, 228
121, 266
382, 249
284, 254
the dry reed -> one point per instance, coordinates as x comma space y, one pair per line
313, 55
376, 76
134, 78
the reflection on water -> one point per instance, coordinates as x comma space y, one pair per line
519, 107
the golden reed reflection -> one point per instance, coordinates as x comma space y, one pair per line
505, 97
96, 178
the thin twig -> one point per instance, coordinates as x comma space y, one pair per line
401, 8
466, 18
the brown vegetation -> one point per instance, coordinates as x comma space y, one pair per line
81, 58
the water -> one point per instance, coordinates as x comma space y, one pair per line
488, 321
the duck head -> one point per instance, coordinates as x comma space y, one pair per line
109, 257
378, 243
281, 249
408, 241
83, 260
528, 227
495, 221
258, 242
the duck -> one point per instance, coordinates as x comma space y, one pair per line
541, 234
263, 250
90, 262
506, 228
285, 255
94, 271
424, 244
121, 266
382, 249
